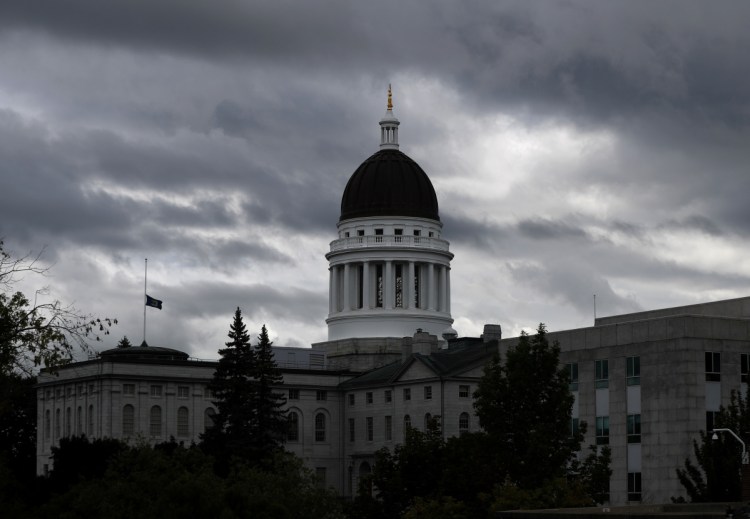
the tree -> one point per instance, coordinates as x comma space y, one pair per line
250, 423
34, 335
234, 390
124, 342
272, 424
524, 405
413, 470
715, 475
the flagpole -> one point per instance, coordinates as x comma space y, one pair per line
145, 280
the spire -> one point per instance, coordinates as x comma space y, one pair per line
389, 126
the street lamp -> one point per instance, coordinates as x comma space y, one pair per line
715, 437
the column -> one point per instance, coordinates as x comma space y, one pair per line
388, 285
448, 289
366, 285
330, 290
443, 284
409, 293
347, 287
334, 289
431, 300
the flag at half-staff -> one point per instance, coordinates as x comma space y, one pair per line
153, 302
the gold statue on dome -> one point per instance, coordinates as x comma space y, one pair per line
390, 98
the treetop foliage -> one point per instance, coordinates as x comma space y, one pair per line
39, 335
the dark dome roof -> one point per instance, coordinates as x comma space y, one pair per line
389, 183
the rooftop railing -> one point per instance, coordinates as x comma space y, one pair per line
363, 242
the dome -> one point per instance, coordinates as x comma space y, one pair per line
389, 183
144, 353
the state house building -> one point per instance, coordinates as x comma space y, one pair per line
646, 383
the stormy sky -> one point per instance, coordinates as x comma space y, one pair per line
576, 147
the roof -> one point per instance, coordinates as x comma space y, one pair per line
461, 355
389, 183
144, 352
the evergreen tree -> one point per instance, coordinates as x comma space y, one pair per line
524, 405
124, 342
235, 395
272, 424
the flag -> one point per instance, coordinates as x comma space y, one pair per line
150, 301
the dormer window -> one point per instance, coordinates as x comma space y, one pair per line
398, 232
360, 232
346, 234
417, 232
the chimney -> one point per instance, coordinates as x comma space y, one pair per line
492, 332
424, 343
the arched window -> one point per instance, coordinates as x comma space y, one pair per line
320, 427
427, 419
91, 420
128, 420
57, 423
68, 421
364, 477
79, 420
208, 418
183, 422
407, 424
293, 433
463, 423
155, 421
47, 425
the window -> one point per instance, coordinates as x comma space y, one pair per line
79, 420
634, 428
292, 434
378, 235
428, 392
183, 391
574, 426
321, 395
128, 389
602, 373
417, 232
91, 389
58, 393
320, 427
68, 420
711, 420
47, 425
91, 418
634, 371
388, 429
209, 416
294, 394
155, 391
463, 423
57, 423
398, 285
351, 399
68, 392
573, 372
713, 366
346, 234
634, 486
744, 367
209, 393
128, 420
407, 393
399, 233
407, 424
154, 427
320, 475
463, 391
427, 420
368, 397
183, 422
388, 396
602, 430
352, 430
379, 284
360, 232
369, 428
